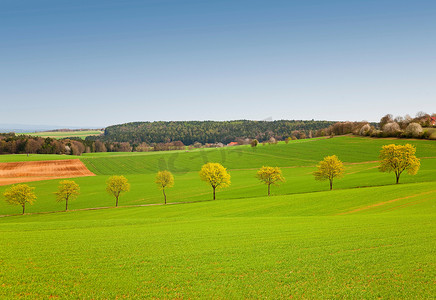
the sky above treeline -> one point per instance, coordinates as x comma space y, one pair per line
103, 62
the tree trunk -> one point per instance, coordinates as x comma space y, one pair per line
24, 205
331, 184
213, 193
116, 204
66, 204
398, 178
268, 188
165, 196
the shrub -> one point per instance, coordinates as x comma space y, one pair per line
272, 140
365, 130
427, 135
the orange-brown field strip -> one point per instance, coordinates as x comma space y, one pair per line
17, 172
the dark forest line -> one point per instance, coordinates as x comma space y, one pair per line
209, 132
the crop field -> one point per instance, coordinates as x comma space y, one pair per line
368, 238
65, 134
313, 245
34, 157
24, 171
297, 159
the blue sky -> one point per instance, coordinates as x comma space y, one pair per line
98, 63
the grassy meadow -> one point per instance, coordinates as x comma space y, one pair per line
368, 238
297, 160
65, 134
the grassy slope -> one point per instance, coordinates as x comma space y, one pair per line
274, 247
360, 243
296, 153
297, 159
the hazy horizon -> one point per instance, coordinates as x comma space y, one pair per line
100, 63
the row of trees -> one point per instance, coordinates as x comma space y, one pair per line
404, 127
10, 143
22, 144
22, 194
393, 158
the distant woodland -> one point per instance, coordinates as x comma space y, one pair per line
204, 132
163, 136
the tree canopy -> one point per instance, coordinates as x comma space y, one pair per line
397, 159
203, 132
215, 175
116, 185
20, 194
67, 190
269, 176
328, 169
164, 179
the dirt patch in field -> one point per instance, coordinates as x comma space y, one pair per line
25, 171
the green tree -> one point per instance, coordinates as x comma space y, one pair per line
328, 169
116, 185
397, 159
269, 176
216, 175
67, 190
164, 179
20, 194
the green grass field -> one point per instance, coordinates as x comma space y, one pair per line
368, 238
65, 134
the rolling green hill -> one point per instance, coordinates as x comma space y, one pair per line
368, 238
277, 247
297, 159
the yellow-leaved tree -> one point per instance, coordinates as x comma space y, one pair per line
216, 175
20, 194
164, 179
116, 185
397, 159
270, 175
67, 190
328, 169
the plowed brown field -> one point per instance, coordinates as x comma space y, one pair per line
16, 172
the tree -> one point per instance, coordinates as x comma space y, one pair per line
365, 129
270, 175
397, 159
20, 194
391, 128
216, 175
254, 143
67, 190
329, 168
164, 179
414, 130
386, 119
99, 147
117, 185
